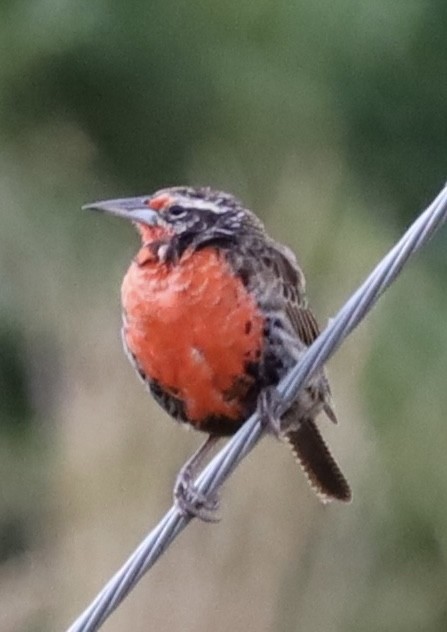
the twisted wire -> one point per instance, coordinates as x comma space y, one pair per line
217, 471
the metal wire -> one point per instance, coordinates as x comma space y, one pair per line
246, 438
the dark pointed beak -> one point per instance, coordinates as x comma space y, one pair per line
134, 209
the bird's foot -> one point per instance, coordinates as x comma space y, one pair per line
190, 501
268, 404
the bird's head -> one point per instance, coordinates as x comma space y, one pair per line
182, 212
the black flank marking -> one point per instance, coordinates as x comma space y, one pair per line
266, 328
244, 276
173, 405
252, 368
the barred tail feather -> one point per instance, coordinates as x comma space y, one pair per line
318, 464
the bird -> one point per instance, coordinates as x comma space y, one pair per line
214, 315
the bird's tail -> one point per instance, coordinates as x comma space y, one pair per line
318, 464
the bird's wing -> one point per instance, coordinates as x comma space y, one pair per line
292, 283
305, 439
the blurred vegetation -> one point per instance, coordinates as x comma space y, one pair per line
329, 119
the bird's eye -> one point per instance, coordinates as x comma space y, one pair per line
177, 211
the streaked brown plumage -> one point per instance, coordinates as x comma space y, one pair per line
214, 313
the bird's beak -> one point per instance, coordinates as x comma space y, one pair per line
134, 209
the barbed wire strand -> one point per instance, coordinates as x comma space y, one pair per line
217, 471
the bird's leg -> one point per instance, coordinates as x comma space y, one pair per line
307, 406
268, 404
280, 422
186, 497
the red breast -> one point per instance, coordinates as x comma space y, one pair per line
194, 328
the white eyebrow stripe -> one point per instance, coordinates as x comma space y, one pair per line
208, 205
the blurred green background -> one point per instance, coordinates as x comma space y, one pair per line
330, 120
